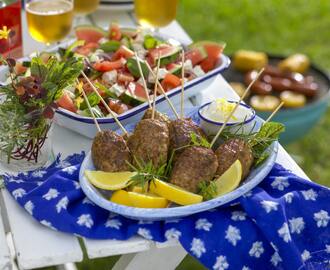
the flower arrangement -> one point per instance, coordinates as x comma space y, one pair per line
28, 102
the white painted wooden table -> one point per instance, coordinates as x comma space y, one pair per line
34, 245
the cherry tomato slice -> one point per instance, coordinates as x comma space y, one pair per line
115, 33
109, 65
170, 81
66, 102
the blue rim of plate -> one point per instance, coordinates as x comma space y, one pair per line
256, 176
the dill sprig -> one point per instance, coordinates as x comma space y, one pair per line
146, 172
28, 101
198, 141
260, 140
208, 190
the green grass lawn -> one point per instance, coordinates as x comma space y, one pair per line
277, 26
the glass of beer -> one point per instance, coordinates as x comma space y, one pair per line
155, 13
83, 9
49, 21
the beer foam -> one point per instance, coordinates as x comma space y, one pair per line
47, 8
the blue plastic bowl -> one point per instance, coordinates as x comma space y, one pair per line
299, 121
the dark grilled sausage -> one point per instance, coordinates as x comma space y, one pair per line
194, 164
258, 87
230, 151
110, 152
276, 72
278, 84
307, 89
150, 142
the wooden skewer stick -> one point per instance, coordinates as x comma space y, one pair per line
143, 79
105, 104
182, 86
274, 112
163, 91
236, 106
155, 90
89, 108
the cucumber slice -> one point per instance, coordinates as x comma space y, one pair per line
106, 90
128, 98
150, 42
110, 46
133, 68
168, 56
175, 70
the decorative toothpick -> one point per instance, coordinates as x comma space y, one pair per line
80, 88
163, 92
155, 89
143, 79
182, 86
274, 112
236, 106
105, 104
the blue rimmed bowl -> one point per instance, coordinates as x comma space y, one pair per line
298, 121
85, 125
212, 127
101, 197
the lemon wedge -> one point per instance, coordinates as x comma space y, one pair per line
121, 197
137, 189
109, 180
230, 179
147, 200
135, 199
174, 193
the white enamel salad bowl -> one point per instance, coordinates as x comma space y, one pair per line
85, 125
101, 197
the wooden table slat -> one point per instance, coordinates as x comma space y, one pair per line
4, 250
37, 245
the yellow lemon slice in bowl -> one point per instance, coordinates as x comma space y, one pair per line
121, 197
134, 199
230, 179
109, 180
174, 193
147, 200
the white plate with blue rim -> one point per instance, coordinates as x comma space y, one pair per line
101, 197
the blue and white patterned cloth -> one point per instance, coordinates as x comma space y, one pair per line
281, 224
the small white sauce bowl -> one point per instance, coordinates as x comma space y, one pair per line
212, 127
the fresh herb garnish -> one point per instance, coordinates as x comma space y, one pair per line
146, 172
208, 190
29, 101
260, 140
199, 141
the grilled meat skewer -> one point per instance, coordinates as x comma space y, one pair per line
193, 165
233, 149
110, 152
150, 142
180, 133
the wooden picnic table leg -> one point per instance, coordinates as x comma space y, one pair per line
156, 258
